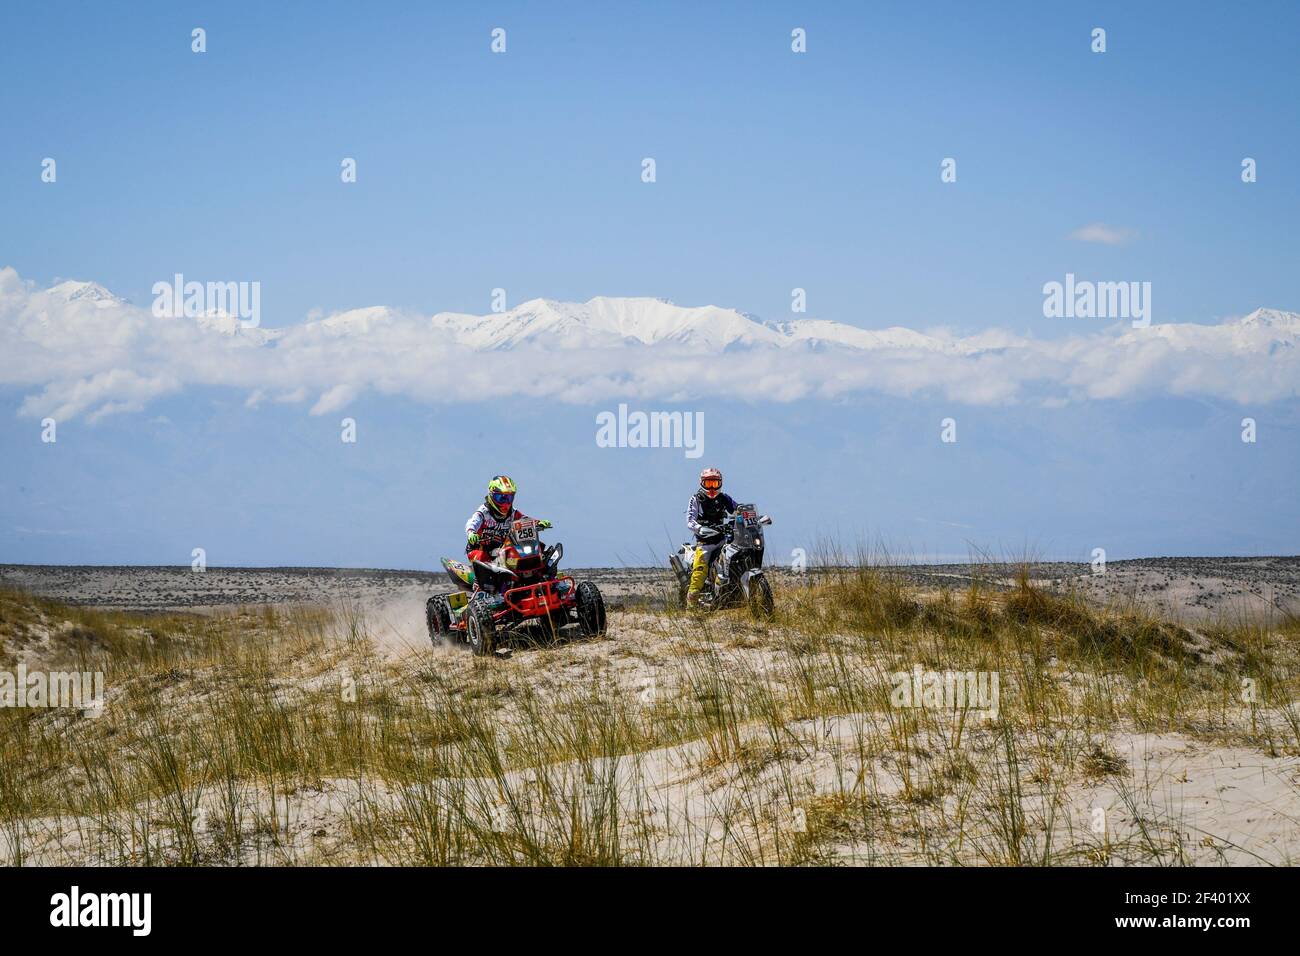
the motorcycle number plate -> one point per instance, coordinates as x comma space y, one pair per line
525, 532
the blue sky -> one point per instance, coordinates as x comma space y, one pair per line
775, 171
275, 486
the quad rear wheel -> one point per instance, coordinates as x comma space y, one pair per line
437, 616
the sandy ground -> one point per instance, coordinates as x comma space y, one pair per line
1223, 806
1217, 801
1210, 803
1182, 588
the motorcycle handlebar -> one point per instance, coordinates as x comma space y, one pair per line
708, 532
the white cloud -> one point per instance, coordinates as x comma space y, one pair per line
1107, 235
334, 399
84, 355
107, 393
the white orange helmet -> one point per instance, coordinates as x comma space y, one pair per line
711, 482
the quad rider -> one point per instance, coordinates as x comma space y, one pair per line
704, 516
487, 528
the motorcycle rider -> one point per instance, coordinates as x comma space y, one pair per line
488, 526
704, 516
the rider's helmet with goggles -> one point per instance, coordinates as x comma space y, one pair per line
711, 482
501, 496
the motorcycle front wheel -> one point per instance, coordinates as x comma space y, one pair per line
761, 603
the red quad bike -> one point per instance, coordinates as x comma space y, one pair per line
520, 589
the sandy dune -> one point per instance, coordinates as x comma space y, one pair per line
718, 740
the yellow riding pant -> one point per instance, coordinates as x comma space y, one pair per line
700, 567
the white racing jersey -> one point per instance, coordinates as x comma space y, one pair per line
491, 530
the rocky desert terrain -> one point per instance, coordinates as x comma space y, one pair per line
1184, 588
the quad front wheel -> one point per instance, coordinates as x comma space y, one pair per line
480, 629
591, 610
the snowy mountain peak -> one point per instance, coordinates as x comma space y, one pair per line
604, 321
356, 320
232, 327
608, 321
1273, 319
76, 291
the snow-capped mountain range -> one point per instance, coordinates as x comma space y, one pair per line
84, 349
612, 322
606, 322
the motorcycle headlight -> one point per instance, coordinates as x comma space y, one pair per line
758, 540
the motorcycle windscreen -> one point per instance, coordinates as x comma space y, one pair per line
747, 533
